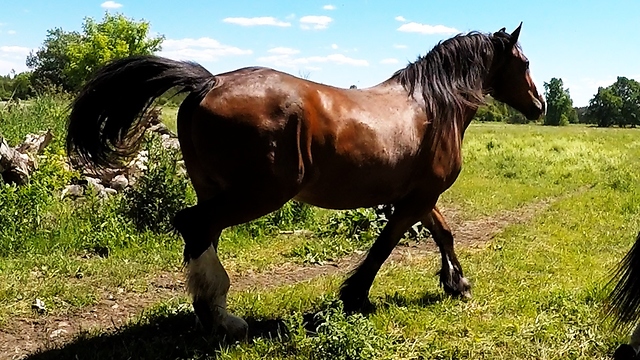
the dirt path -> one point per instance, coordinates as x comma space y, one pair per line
23, 336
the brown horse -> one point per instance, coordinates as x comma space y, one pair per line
255, 138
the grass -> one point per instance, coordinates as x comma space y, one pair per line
537, 286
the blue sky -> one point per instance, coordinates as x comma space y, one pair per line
361, 42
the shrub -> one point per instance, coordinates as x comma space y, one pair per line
160, 193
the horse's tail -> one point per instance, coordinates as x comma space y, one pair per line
105, 122
623, 303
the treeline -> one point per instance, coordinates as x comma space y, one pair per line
67, 59
615, 105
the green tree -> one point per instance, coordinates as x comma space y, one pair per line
560, 109
68, 59
605, 107
50, 63
618, 104
628, 90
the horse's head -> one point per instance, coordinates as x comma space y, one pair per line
510, 80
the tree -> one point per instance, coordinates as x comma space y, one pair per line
560, 109
605, 107
495, 111
16, 86
628, 90
618, 104
68, 59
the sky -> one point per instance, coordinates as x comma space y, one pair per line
357, 42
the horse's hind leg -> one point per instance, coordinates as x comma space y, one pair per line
207, 280
451, 276
354, 292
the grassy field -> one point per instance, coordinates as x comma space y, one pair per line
538, 285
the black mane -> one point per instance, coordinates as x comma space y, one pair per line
450, 78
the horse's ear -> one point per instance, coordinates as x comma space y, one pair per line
503, 30
515, 34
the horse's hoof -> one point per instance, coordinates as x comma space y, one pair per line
204, 315
625, 352
357, 305
461, 289
235, 328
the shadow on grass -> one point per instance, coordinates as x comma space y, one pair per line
168, 336
173, 336
176, 335
399, 300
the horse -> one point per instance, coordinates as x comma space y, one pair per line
623, 302
254, 138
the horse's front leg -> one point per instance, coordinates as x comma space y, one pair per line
451, 276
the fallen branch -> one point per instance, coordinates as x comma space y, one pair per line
17, 164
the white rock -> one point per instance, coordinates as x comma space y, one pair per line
119, 183
72, 190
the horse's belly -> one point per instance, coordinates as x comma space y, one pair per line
340, 190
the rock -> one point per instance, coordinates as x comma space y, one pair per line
72, 190
169, 142
56, 333
119, 182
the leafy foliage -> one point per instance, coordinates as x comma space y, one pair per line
67, 59
618, 104
496, 111
16, 87
160, 193
560, 109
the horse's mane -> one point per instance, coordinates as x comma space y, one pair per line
450, 78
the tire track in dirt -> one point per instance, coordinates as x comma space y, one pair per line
23, 336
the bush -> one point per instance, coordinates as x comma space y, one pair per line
160, 193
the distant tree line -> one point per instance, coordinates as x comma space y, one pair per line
67, 59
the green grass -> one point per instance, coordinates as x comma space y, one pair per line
537, 286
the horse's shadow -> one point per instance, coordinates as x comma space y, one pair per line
176, 336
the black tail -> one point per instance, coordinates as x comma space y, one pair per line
104, 125
623, 304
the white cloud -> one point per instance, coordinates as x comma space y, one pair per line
11, 32
14, 51
202, 49
400, 18
329, 7
427, 29
334, 46
389, 61
255, 21
315, 22
283, 51
288, 61
13, 58
399, 46
110, 5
